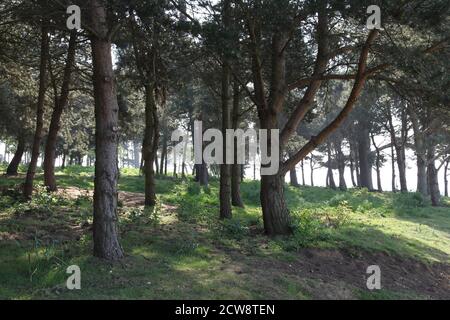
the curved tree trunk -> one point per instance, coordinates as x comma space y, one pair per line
106, 234
28, 186
15, 162
60, 105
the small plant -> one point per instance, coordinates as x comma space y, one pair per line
42, 203
338, 216
194, 188
307, 229
234, 228
43, 257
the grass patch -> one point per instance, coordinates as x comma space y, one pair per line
180, 250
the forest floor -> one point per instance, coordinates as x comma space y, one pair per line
180, 250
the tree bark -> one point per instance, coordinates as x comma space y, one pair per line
202, 176
302, 166
276, 215
447, 163
17, 158
236, 169
352, 167
330, 177
433, 183
421, 153
162, 164
28, 186
225, 169
341, 166
364, 161
378, 164
106, 234
150, 145
60, 105
311, 166
293, 178
399, 150
401, 153
394, 187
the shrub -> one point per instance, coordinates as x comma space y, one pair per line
234, 228
194, 188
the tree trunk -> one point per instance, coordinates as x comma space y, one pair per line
236, 199
15, 162
60, 105
421, 153
162, 164
237, 170
156, 163
378, 164
401, 153
202, 174
166, 161
365, 166
225, 169
150, 145
175, 167
433, 177
394, 187
293, 178
446, 177
63, 161
302, 165
183, 164
276, 215
330, 177
106, 234
352, 172
341, 166
28, 186
311, 166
